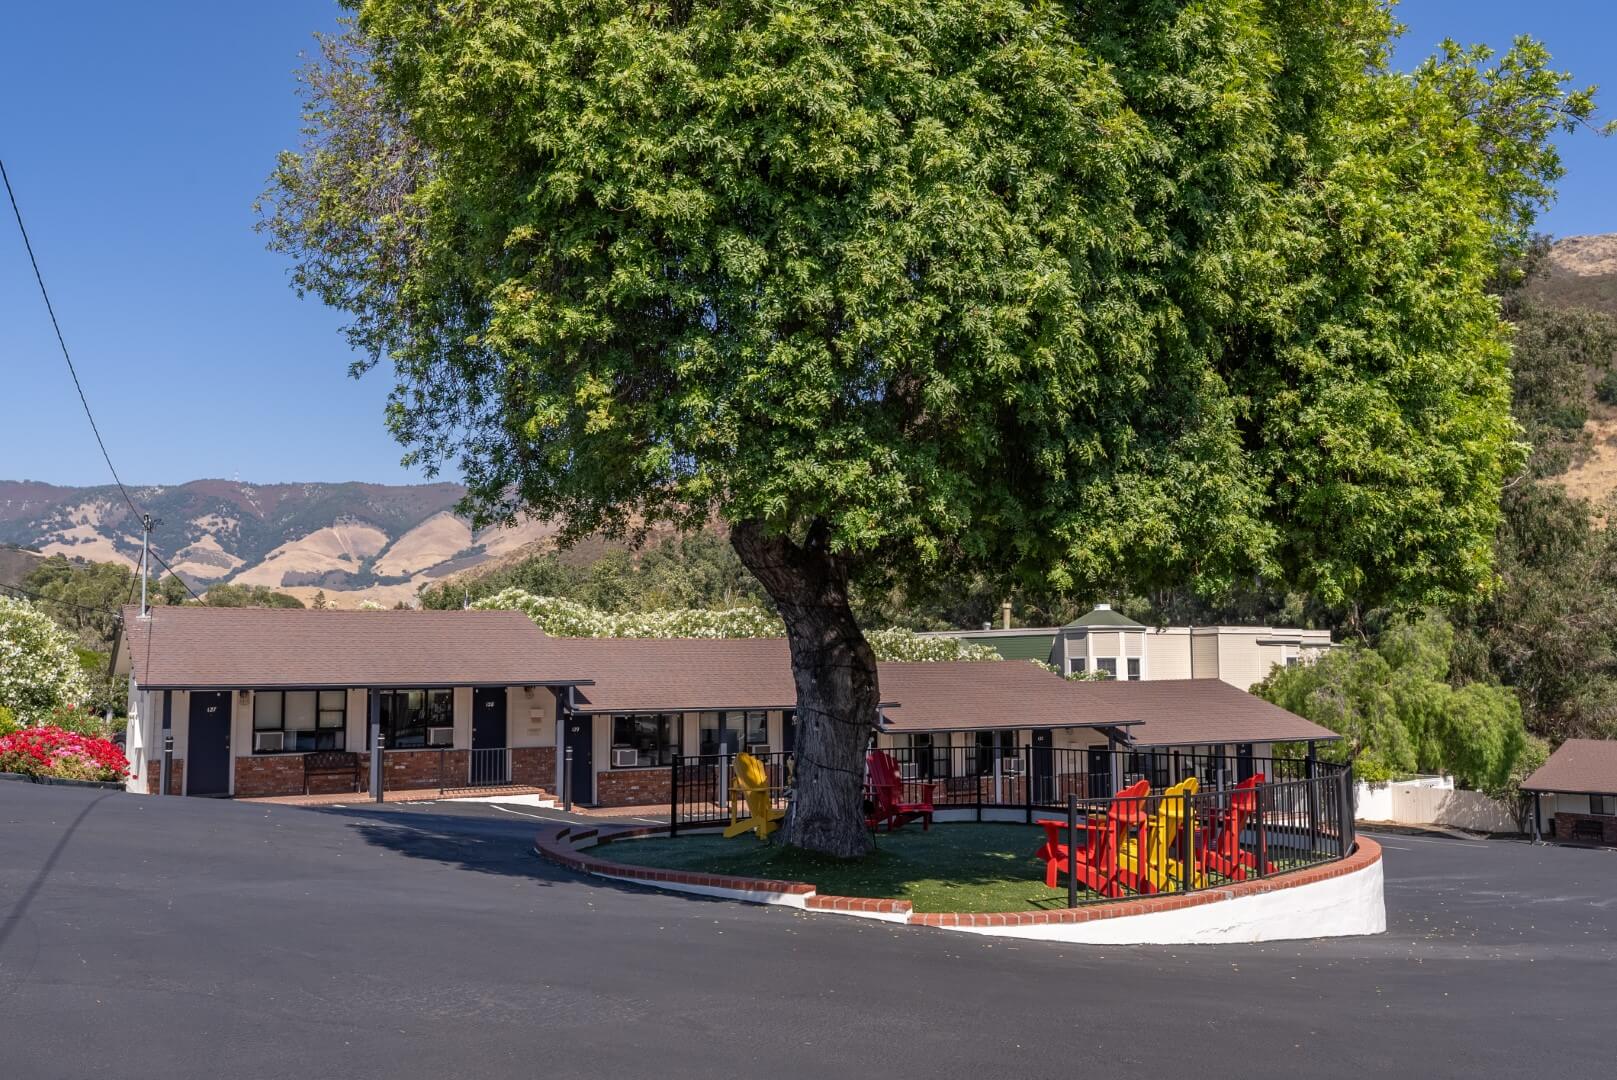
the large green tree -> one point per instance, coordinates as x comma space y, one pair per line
1143, 291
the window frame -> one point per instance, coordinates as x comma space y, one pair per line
1134, 669
666, 751
338, 732
1100, 668
390, 725
1004, 739
1603, 805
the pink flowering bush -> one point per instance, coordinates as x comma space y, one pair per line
49, 751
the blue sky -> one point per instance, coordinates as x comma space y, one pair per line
137, 137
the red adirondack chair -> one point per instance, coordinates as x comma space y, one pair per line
888, 803
1096, 862
1222, 851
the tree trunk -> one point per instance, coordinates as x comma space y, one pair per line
835, 671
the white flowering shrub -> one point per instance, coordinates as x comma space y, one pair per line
895, 643
569, 618
39, 669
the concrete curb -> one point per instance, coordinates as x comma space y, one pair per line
564, 845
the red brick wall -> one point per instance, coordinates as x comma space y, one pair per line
534, 766
271, 774
1564, 823
265, 775
154, 776
632, 787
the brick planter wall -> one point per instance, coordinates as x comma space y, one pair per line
632, 787
1564, 824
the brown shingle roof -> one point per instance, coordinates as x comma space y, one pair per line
242, 648
1193, 712
1578, 767
679, 674
1164, 712
962, 695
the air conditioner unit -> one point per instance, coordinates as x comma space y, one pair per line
909, 771
440, 736
757, 748
1011, 766
267, 741
625, 758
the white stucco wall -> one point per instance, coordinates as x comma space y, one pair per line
1344, 906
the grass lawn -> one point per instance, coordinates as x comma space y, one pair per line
954, 867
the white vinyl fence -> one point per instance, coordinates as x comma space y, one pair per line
1432, 800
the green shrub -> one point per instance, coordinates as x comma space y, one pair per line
1606, 388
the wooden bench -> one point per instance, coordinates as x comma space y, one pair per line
330, 763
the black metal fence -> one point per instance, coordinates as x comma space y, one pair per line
699, 790
1251, 817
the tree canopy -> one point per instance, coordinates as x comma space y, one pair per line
1140, 291
1398, 712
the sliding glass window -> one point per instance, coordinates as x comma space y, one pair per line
298, 721
417, 719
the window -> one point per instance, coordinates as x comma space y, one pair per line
1605, 805
650, 737
306, 719
987, 742
918, 762
718, 733
1293, 661
417, 719
757, 728
1134, 669
1077, 665
1107, 666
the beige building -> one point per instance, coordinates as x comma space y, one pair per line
1109, 642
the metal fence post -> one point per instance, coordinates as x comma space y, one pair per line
376, 745
441, 769
1187, 844
1072, 849
723, 792
165, 771
567, 778
1260, 830
673, 797
1349, 837
1027, 784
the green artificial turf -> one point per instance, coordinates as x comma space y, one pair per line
954, 867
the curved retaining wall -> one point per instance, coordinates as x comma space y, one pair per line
1337, 899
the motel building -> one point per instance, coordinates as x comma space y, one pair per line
1575, 793
254, 702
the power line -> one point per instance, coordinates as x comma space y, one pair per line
175, 576
60, 340
76, 383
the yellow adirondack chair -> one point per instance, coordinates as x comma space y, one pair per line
1163, 869
749, 788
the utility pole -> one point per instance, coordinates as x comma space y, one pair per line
146, 558
147, 524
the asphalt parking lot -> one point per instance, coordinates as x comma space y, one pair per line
192, 938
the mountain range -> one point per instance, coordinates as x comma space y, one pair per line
353, 541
